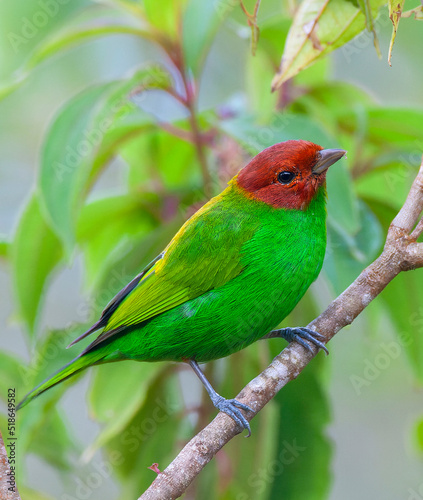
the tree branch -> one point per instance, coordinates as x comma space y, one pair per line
401, 253
8, 490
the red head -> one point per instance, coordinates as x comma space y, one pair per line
288, 174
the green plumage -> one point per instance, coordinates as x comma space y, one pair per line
230, 275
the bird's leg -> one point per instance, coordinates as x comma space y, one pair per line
229, 406
299, 334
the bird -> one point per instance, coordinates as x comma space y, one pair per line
229, 276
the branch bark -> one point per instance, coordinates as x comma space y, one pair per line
6, 492
401, 253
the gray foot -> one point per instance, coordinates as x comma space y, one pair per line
231, 407
300, 335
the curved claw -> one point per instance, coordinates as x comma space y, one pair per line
300, 335
231, 408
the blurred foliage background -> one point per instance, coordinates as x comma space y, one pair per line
119, 119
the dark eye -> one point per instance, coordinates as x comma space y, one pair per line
286, 177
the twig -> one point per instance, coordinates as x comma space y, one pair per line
8, 491
185, 135
190, 102
198, 142
252, 23
418, 231
401, 253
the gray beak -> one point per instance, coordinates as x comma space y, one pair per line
326, 158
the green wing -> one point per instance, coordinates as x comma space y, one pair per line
204, 255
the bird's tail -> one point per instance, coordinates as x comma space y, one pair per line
76, 365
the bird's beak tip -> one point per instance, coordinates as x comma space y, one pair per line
326, 158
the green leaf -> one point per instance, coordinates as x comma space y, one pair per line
160, 159
273, 33
404, 299
395, 125
41, 428
254, 137
49, 356
259, 72
9, 87
108, 225
114, 402
325, 102
395, 10
151, 436
110, 228
165, 15
384, 211
388, 156
125, 128
52, 441
4, 246
303, 449
68, 147
342, 205
366, 8
417, 12
10, 374
389, 184
35, 252
92, 23
348, 254
81, 139
319, 27
419, 435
